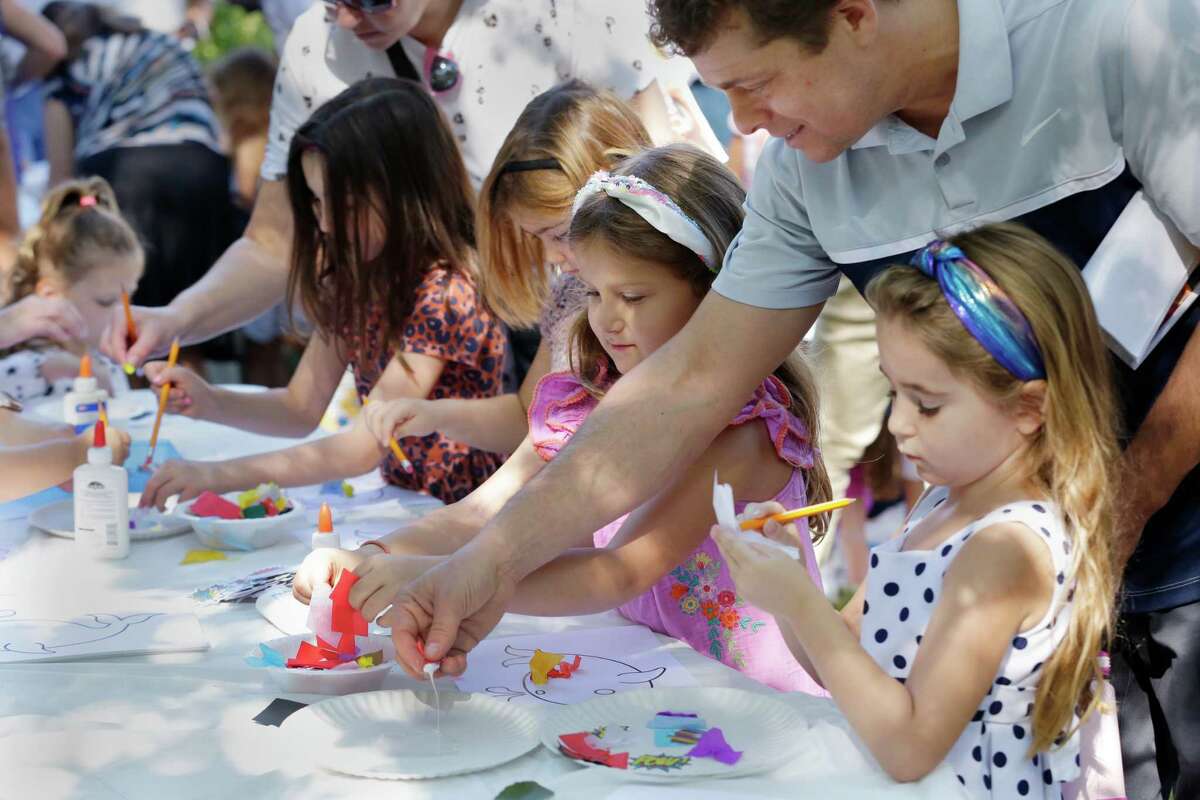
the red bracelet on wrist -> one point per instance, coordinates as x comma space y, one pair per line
378, 544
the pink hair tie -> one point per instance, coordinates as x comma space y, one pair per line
87, 200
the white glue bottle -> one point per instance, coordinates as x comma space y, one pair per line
81, 405
325, 536
101, 502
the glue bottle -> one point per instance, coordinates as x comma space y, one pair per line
325, 536
81, 405
101, 502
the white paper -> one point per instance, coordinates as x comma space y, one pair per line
30, 637
1135, 275
612, 660
723, 505
320, 613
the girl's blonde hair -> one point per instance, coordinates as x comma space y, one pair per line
583, 130
80, 221
710, 194
1070, 458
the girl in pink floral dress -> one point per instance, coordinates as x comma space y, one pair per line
648, 241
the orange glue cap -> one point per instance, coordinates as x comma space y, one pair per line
85, 366
325, 519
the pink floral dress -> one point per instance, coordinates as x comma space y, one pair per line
697, 600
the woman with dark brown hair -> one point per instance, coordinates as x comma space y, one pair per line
383, 264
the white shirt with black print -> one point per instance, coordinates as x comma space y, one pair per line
508, 51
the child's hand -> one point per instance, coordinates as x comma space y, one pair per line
184, 478
787, 533
324, 566
190, 395
59, 365
399, 418
765, 576
380, 579
118, 442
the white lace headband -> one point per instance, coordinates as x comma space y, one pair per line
656, 208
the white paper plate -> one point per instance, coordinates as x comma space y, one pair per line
392, 734
765, 729
58, 519
121, 408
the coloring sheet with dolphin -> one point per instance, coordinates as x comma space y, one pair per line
35, 637
611, 660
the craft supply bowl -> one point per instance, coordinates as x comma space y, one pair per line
329, 681
242, 534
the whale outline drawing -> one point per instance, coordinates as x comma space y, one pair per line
520, 655
87, 622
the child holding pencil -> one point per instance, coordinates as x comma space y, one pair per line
383, 265
82, 251
648, 242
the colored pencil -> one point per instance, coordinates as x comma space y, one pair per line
796, 513
130, 330
405, 464
162, 402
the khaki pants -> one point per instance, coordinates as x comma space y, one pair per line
845, 359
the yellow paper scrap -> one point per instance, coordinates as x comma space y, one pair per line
541, 663
248, 498
370, 659
200, 556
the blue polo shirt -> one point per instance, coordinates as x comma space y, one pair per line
1063, 109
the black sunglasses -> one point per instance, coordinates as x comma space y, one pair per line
365, 6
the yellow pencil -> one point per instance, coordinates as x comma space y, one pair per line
796, 513
405, 464
104, 415
162, 402
130, 329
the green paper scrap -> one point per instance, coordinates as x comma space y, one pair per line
525, 790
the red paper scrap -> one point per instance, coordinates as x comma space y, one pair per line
324, 655
564, 670
582, 746
346, 618
209, 504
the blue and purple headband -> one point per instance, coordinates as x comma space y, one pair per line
984, 309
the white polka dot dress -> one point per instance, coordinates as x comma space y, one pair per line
991, 757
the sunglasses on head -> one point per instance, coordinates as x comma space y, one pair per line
365, 6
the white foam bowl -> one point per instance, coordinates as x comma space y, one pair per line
329, 681
242, 534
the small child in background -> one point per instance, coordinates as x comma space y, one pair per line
648, 241
240, 85
975, 637
383, 265
81, 250
564, 135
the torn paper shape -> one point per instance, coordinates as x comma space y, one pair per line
320, 612
201, 556
661, 761
210, 504
586, 747
269, 658
540, 665
722, 499
713, 745
345, 617
565, 669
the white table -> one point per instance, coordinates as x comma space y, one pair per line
180, 725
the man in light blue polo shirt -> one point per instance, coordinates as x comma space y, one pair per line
896, 119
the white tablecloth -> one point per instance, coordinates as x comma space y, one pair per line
180, 725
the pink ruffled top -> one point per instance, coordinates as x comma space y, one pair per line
697, 600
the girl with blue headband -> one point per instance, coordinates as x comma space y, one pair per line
975, 637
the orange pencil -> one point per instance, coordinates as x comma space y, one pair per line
787, 516
130, 330
162, 402
405, 464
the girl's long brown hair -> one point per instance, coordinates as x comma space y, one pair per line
583, 130
386, 151
1071, 459
69, 238
710, 194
